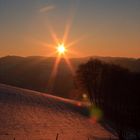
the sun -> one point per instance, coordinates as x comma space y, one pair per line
61, 49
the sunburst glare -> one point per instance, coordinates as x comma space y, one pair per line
61, 49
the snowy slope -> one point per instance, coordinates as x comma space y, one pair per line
29, 115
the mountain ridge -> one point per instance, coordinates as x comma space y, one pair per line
34, 72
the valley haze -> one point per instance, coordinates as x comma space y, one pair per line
33, 72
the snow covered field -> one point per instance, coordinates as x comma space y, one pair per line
29, 115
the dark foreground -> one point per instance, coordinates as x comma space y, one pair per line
29, 115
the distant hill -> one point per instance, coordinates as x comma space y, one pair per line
34, 72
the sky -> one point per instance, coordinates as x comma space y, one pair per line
96, 27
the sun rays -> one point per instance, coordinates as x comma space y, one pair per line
61, 48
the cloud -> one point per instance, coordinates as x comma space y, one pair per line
47, 8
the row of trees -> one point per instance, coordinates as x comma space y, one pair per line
116, 91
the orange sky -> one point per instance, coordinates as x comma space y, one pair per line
100, 28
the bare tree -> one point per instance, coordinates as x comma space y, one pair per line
116, 91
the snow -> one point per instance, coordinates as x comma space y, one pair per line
30, 115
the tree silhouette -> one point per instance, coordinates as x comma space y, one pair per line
116, 91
